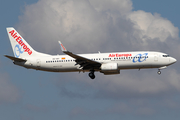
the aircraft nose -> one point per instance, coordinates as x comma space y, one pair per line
173, 60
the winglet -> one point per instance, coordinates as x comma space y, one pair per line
62, 47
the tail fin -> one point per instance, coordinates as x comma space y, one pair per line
20, 47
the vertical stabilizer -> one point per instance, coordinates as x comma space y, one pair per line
20, 47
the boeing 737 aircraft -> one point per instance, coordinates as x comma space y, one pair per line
107, 63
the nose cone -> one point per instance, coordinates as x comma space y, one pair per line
173, 60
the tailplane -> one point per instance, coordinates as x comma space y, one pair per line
15, 59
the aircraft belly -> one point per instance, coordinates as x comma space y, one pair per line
59, 67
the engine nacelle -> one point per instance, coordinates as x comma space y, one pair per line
110, 68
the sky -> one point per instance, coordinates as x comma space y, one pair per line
89, 26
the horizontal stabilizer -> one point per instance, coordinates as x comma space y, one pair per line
15, 59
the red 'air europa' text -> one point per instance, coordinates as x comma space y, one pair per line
120, 55
19, 40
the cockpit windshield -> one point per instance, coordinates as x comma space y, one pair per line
165, 55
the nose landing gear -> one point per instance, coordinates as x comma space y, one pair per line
159, 69
91, 74
159, 72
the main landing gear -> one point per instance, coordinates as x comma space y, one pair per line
91, 74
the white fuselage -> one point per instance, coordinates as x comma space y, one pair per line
125, 60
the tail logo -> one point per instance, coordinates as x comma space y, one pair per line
21, 47
18, 50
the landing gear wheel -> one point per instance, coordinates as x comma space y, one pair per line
91, 75
159, 72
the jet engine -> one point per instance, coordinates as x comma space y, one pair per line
110, 68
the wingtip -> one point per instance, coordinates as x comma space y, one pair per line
59, 42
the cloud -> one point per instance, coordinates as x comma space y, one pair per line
136, 107
9, 93
129, 84
153, 27
75, 22
133, 107
103, 25
40, 108
112, 25
114, 6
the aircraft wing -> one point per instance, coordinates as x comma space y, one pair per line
82, 61
15, 59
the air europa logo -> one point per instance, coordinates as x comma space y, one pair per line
140, 57
120, 55
18, 50
20, 42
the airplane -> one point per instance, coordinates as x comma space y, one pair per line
106, 63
